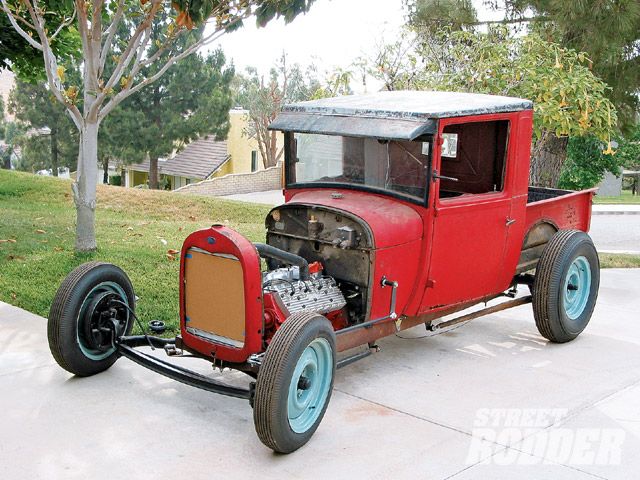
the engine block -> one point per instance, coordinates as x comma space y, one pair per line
320, 295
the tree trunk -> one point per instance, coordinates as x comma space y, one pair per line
105, 170
54, 151
153, 173
6, 154
548, 155
84, 188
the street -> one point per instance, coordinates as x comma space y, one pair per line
616, 233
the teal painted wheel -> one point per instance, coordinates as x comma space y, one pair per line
88, 313
577, 287
295, 381
566, 285
310, 384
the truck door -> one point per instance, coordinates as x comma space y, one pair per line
472, 207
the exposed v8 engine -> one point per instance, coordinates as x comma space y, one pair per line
319, 294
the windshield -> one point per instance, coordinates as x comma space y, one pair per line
396, 166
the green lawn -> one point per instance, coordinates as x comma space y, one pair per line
625, 199
37, 236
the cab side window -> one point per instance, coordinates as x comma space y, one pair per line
475, 154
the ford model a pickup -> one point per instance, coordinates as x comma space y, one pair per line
401, 208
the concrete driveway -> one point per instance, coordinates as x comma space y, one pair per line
453, 405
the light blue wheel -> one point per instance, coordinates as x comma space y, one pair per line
295, 381
577, 287
310, 385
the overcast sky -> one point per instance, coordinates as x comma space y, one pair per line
332, 34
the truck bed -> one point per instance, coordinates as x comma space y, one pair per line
549, 210
563, 209
538, 194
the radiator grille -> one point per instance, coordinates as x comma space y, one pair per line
214, 297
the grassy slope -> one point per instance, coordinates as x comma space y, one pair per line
131, 224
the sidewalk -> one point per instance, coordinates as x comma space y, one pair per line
269, 197
417, 409
616, 210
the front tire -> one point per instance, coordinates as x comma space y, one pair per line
295, 382
85, 314
566, 286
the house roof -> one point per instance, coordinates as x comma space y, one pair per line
198, 159
397, 114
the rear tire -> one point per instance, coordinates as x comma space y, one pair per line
82, 313
566, 286
295, 382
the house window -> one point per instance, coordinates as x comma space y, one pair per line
254, 160
473, 153
187, 181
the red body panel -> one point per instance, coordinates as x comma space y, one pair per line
568, 211
475, 244
392, 221
220, 239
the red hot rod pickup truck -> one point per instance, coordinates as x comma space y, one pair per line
401, 208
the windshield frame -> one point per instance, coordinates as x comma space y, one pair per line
289, 165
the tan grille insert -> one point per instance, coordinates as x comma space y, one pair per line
214, 297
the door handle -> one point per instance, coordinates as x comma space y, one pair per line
436, 176
510, 221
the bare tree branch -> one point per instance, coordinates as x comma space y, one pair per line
64, 24
50, 63
127, 56
110, 34
131, 89
18, 28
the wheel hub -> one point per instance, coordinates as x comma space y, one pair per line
102, 318
310, 385
577, 287
103, 323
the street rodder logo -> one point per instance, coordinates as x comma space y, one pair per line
526, 430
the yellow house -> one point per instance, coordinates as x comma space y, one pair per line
205, 158
243, 150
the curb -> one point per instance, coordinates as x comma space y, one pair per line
615, 212
619, 252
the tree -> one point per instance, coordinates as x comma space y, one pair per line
608, 31
33, 104
2, 120
102, 89
568, 99
12, 133
433, 15
264, 100
586, 163
191, 100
